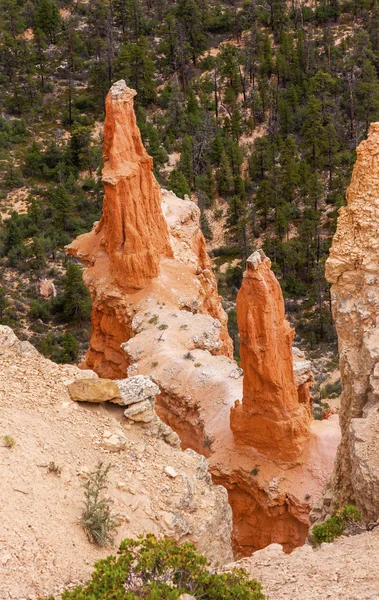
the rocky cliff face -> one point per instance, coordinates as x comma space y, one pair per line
271, 417
353, 269
137, 241
174, 331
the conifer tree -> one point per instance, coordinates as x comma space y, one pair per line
76, 298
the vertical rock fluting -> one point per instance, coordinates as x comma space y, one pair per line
135, 233
134, 240
272, 417
353, 269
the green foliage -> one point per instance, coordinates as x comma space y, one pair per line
57, 346
97, 519
12, 132
9, 441
76, 302
178, 184
40, 309
335, 526
160, 569
4, 303
331, 390
48, 19
135, 63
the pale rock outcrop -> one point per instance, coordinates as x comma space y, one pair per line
37, 539
342, 570
271, 417
137, 389
353, 269
138, 393
47, 288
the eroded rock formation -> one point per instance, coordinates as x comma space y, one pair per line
353, 269
271, 418
133, 231
174, 331
138, 238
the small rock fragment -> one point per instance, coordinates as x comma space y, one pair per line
170, 471
113, 442
141, 411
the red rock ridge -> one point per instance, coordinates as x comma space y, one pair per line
271, 418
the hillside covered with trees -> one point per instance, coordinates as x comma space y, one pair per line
255, 108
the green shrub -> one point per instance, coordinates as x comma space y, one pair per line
40, 309
331, 389
335, 526
9, 441
161, 570
97, 518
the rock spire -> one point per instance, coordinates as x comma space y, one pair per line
271, 418
353, 269
147, 240
133, 230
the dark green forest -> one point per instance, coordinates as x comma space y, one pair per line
262, 101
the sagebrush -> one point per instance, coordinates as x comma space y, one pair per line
162, 570
97, 519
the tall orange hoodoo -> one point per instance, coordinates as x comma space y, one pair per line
271, 417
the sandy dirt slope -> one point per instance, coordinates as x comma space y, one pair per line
42, 544
344, 570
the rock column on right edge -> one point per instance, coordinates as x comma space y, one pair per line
271, 417
353, 269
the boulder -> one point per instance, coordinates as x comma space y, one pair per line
136, 389
141, 411
94, 390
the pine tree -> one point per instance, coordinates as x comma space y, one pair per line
38, 253
179, 184
62, 204
313, 131
185, 165
71, 347
289, 170
135, 64
48, 19
76, 298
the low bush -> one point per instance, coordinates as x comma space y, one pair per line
161, 570
336, 525
97, 518
9, 441
332, 389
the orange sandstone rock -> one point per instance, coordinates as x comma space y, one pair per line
145, 240
271, 418
134, 230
